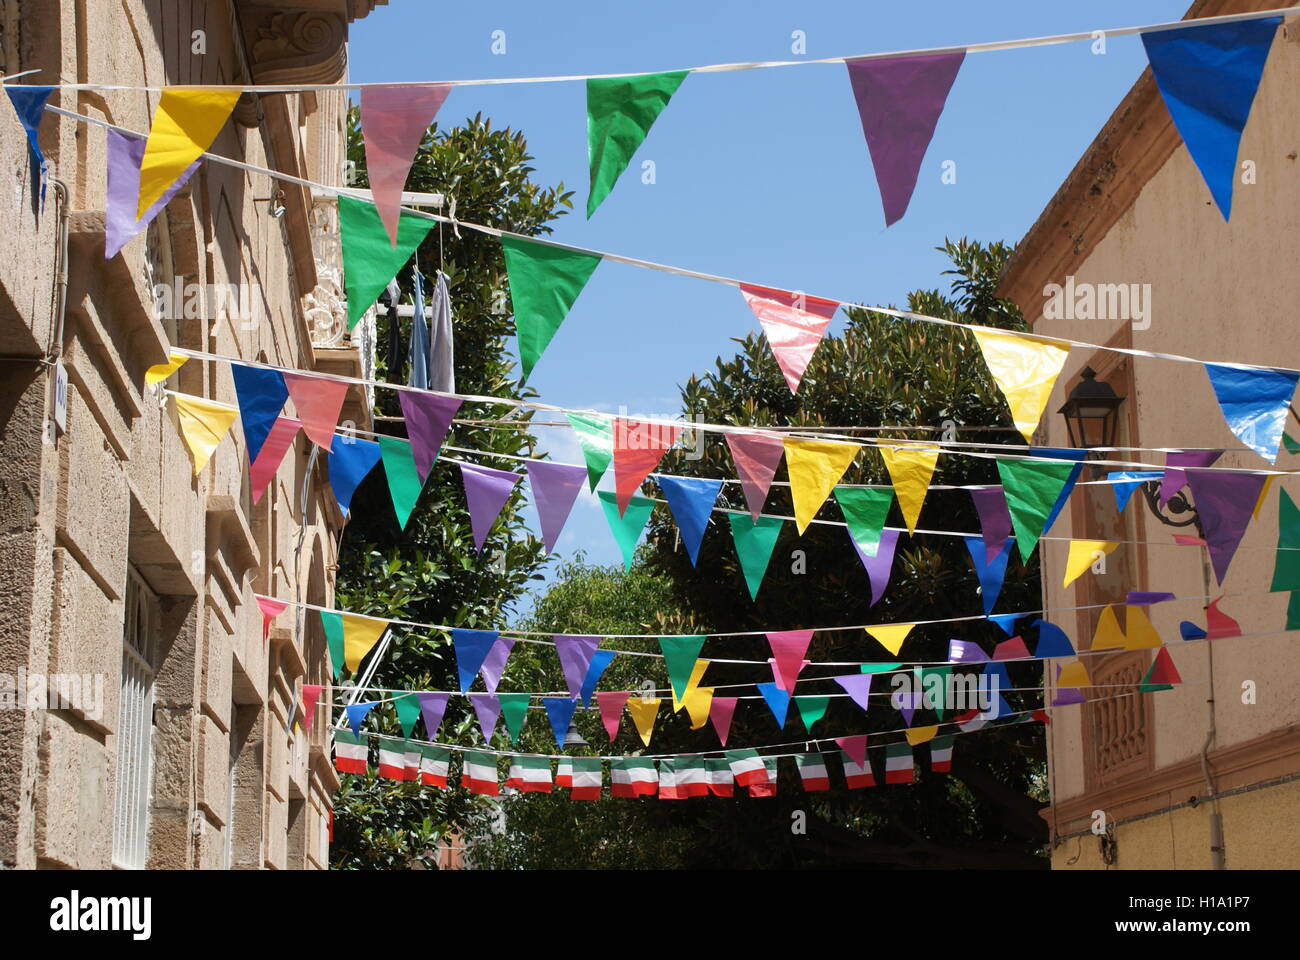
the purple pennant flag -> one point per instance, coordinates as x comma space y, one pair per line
995, 520
1174, 478
899, 102
879, 567
906, 704
1143, 598
1065, 696
555, 487
486, 491
120, 225
432, 706
1224, 502
858, 687
487, 708
428, 418
575, 654
964, 651
494, 664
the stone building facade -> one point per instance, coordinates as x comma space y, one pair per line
120, 566
1206, 774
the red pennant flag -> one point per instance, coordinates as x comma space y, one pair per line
756, 455
270, 610
788, 649
318, 402
855, 747
310, 697
721, 710
1163, 670
1013, 649
283, 432
1219, 623
794, 324
611, 703
393, 122
638, 448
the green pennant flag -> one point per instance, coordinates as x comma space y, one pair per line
754, 545
865, 512
369, 258
878, 667
596, 436
1291, 445
544, 282
620, 112
1293, 611
332, 624
514, 709
403, 478
811, 709
1146, 686
1286, 565
627, 528
1031, 488
408, 711
935, 695
680, 654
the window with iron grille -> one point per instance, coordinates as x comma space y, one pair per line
135, 727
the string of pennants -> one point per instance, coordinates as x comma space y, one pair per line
1208, 74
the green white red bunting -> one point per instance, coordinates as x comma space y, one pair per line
633, 777
857, 775
813, 772
434, 765
351, 753
479, 773
530, 774
898, 763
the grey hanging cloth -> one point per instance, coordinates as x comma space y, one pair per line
395, 356
419, 353
442, 356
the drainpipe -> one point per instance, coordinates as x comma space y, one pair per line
1217, 852
55, 348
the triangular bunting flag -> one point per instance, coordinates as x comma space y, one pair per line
1108, 635
433, 706
185, 122
1025, 370
1139, 632
778, 701
858, 687
991, 573
910, 470
919, 735
555, 488
680, 656
29, 104
966, 651
794, 324
121, 224
203, 423
899, 101
1219, 623
995, 519
721, 711
575, 658
599, 661
865, 510
271, 609
544, 282
356, 714
283, 433
1031, 488
1175, 476
596, 437
370, 261
404, 484
756, 455
1052, 641
855, 747
1224, 502
1286, 564
611, 703
1013, 649
638, 448
811, 709
407, 709
815, 466
428, 418
494, 664
1083, 554
393, 122
628, 525
318, 402
891, 635
754, 545
161, 371
1005, 621
471, 648
311, 693
350, 461
486, 492
698, 702
643, 711
620, 112
1127, 481
788, 649
487, 708
879, 567
1255, 403
559, 710
691, 501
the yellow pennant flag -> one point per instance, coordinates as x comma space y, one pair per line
1108, 635
919, 735
360, 634
1025, 370
697, 674
1083, 554
910, 470
698, 701
891, 635
815, 467
643, 715
203, 424
161, 371
185, 123
1074, 674
1140, 632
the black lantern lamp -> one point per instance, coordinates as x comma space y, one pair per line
1092, 412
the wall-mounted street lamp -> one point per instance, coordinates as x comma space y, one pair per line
1092, 417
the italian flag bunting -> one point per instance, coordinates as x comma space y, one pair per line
411, 761
392, 760
941, 754
898, 763
813, 772
586, 778
564, 772
350, 752
747, 767
530, 774
682, 777
970, 721
857, 775
721, 782
633, 777
479, 773
766, 787
434, 762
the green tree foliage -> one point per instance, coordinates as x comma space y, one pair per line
880, 371
430, 573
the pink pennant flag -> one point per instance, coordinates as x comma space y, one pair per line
393, 122
779, 679
794, 323
858, 687
310, 697
486, 492
283, 432
855, 747
318, 402
638, 448
611, 703
721, 710
270, 610
756, 455
788, 649
1013, 649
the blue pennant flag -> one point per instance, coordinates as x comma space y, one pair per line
1255, 404
1007, 621
991, 574
691, 500
1052, 641
357, 714
777, 699
261, 395
1208, 76
29, 104
1191, 631
560, 712
1130, 480
350, 461
1061, 453
471, 648
599, 661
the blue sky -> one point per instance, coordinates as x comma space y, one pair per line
761, 175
